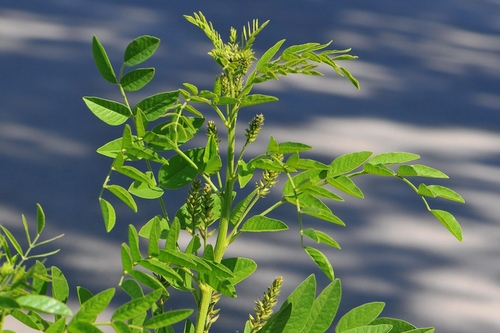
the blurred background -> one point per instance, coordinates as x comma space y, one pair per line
430, 84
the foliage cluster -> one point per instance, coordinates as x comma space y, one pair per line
151, 156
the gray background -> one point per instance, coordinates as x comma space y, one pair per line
430, 75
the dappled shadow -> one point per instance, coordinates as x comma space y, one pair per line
429, 74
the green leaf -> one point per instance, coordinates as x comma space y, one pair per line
83, 327
40, 218
7, 302
147, 280
132, 288
394, 158
13, 240
93, 307
137, 79
157, 105
370, 329
126, 256
245, 173
154, 237
313, 206
83, 294
324, 309
239, 209
351, 78
121, 327
346, 185
176, 258
257, 99
301, 300
111, 112
44, 304
58, 326
348, 162
420, 170
268, 55
359, 316
158, 267
123, 195
140, 49
191, 87
272, 146
311, 177
398, 325
439, 191
378, 169
108, 213
133, 241
60, 287
321, 260
321, 237
173, 235
167, 318
420, 330
135, 174
449, 221
25, 319
320, 191
259, 223
136, 306
102, 61
240, 267
292, 147
179, 172
164, 227
146, 190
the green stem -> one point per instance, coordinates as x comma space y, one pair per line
206, 296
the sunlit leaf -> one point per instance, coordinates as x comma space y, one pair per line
157, 105
145, 190
40, 218
420, 170
108, 213
439, 191
259, 223
346, 185
394, 158
348, 162
44, 304
321, 237
257, 99
241, 268
398, 325
136, 306
140, 49
449, 221
147, 280
111, 112
123, 195
179, 172
83, 294
137, 79
94, 306
167, 318
321, 260
359, 316
102, 61
324, 309
60, 287
378, 169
